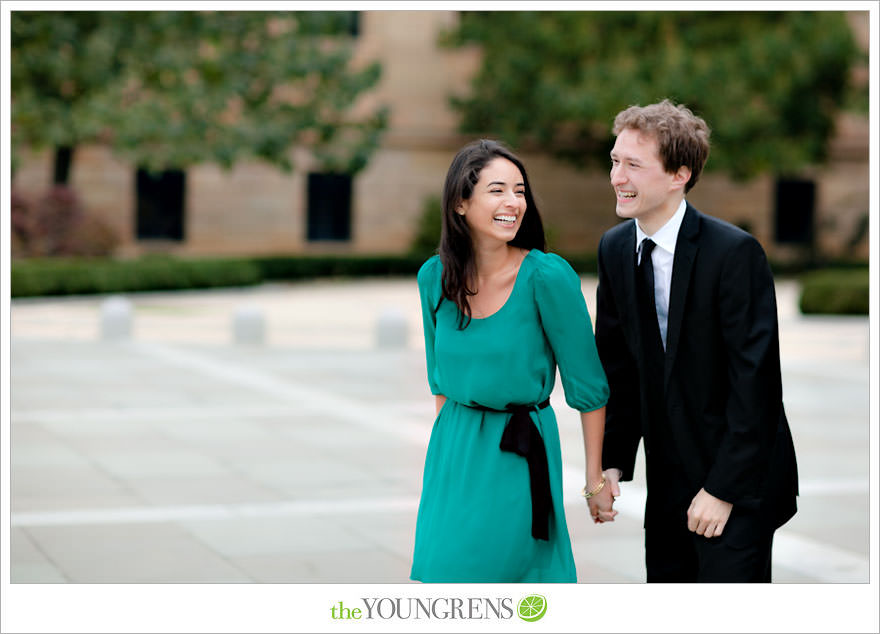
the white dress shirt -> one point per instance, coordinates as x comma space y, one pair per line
662, 257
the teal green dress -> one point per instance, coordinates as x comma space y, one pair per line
475, 515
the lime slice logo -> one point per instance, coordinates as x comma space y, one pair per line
532, 608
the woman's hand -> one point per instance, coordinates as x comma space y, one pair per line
601, 504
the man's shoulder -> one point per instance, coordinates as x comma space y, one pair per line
620, 231
720, 231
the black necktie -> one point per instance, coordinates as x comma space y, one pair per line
658, 437
647, 306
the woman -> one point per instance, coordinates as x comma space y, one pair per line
499, 314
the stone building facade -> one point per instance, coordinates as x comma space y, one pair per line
256, 209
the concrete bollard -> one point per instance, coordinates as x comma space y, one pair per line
116, 318
249, 325
392, 329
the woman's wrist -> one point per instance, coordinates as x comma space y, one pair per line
591, 490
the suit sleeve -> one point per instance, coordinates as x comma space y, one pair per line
749, 328
429, 293
622, 414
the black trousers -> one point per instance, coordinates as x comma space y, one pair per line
741, 554
673, 554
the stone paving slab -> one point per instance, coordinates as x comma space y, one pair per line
180, 457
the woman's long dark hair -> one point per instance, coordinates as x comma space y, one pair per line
456, 245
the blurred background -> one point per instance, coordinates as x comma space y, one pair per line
217, 371
273, 134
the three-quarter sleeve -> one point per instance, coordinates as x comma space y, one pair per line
567, 325
429, 292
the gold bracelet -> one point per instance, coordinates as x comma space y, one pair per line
588, 494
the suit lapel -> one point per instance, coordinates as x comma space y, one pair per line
626, 261
682, 266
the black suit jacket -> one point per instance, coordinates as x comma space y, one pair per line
722, 381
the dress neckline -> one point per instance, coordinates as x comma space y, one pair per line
512, 290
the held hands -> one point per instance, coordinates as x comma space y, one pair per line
707, 514
600, 504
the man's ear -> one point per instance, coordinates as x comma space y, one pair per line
681, 177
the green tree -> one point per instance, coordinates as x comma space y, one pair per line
768, 83
171, 89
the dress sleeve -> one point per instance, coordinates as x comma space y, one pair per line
429, 292
569, 330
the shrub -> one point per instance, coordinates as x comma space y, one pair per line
583, 263
427, 238
835, 292
70, 276
307, 267
57, 225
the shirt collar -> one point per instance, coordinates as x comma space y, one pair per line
667, 235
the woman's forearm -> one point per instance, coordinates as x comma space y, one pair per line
593, 424
439, 400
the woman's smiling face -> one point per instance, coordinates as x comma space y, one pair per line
497, 204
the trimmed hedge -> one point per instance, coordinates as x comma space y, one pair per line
69, 276
841, 290
33, 277
294, 268
307, 267
835, 292
73, 276
584, 264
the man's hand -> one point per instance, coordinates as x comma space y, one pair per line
707, 515
612, 479
601, 504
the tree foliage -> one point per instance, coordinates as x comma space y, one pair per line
768, 83
170, 89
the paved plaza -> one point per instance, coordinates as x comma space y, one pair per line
178, 455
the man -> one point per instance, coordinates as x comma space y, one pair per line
687, 331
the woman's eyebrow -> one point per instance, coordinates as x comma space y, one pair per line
521, 184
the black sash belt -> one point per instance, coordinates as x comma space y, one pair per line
521, 436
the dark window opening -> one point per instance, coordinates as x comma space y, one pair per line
160, 197
354, 23
795, 208
329, 206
